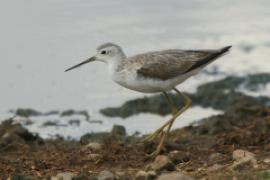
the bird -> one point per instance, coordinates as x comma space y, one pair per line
155, 72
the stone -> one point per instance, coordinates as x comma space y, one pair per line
93, 146
106, 175
179, 156
240, 154
266, 160
118, 130
243, 159
63, 176
215, 156
20, 177
174, 176
162, 162
143, 175
215, 167
151, 174
94, 157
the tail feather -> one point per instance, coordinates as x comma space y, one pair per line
210, 58
225, 49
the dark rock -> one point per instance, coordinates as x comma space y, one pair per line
74, 122
20, 177
52, 123
26, 112
118, 130
71, 112
94, 137
8, 128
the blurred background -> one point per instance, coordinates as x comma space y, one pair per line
40, 39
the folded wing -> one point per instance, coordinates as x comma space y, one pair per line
168, 64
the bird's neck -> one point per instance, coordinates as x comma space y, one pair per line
114, 64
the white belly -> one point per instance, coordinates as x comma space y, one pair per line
147, 85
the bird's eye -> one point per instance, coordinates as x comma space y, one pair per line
103, 52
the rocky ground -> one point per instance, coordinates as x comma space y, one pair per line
234, 145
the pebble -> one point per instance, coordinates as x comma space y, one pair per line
215, 156
94, 157
174, 176
162, 162
179, 156
266, 160
63, 176
143, 175
240, 154
106, 175
215, 167
93, 146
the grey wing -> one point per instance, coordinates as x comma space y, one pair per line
168, 64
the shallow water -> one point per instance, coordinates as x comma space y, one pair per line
39, 39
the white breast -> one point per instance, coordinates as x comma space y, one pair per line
129, 78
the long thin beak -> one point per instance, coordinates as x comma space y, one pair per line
91, 59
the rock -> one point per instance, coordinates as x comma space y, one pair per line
122, 175
242, 164
266, 160
84, 174
72, 112
118, 130
152, 174
20, 177
93, 146
15, 136
162, 162
240, 154
142, 175
174, 176
26, 112
215, 156
94, 157
243, 159
63, 176
179, 156
94, 137
215, 167
106, 175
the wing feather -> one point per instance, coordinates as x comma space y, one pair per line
168, 64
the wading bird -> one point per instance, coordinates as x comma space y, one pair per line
152, 72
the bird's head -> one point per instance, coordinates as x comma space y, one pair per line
108, 53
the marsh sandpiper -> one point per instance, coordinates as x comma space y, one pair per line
153, 72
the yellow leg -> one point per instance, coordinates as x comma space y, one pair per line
160, 130
187, 102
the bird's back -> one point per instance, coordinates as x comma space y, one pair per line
167, 64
